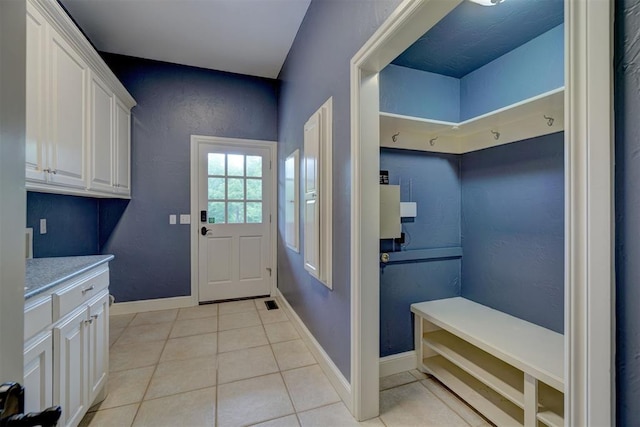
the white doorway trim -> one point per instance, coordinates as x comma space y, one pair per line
196, 141
589, 282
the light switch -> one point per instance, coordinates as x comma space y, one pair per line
185, 219
172, 219
43, 226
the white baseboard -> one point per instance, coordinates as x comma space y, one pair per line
150, 305
397, 363
332, 372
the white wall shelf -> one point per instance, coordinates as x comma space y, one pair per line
510, 370
536, 116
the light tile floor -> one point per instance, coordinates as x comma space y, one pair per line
237, 364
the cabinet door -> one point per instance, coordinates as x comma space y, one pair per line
71, 367
35, 97
38, 373
101, 136
68, 98
98, 345
123, 148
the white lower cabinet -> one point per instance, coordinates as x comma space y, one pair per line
66, 362
70, 343
38, 373
98, 345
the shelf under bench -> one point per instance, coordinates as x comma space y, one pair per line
511, 370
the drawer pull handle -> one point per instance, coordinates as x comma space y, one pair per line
94, 317
85, 290
88, 322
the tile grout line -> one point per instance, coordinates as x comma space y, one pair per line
155, 368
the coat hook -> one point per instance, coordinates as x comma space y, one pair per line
550, 120
394, 137
432, 141
496, 135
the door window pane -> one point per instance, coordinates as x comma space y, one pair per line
236, 189
254, 212
254, 189
235, 211
216, 212
235, 166
216, 164
216, 188
254, 166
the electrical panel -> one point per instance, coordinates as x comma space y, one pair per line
390, 227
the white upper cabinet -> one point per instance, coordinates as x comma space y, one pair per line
68, 124
35, 114
101, 139
122, 146
78, 126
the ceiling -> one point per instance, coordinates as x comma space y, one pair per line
473, 35
250, 37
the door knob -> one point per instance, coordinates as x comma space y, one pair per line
204, 231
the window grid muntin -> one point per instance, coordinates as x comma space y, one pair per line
236, 207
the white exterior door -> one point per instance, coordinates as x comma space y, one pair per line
234, 221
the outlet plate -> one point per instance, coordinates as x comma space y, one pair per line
43, 226
172, 219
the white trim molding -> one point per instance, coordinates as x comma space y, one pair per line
589, 281
143, 306
397, 363
329, 368
589, 204
272, 146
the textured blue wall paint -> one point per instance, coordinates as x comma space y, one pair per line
72, 225
419, 94
533, 68
513, 229
432, 181
318, 67
174, 102
473, 35
627, 195
401, 285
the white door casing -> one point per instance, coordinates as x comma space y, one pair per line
233, 182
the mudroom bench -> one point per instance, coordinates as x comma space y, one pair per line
510, 370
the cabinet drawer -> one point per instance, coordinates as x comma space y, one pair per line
69, 298
37, 316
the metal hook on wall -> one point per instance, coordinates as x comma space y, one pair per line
432, 141
394, 137
550, 120
496, 135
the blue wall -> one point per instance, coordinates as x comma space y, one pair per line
174, 102
533, 68
433, 182
72, 225
419, 93
627, 194
316, 68
513, 229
